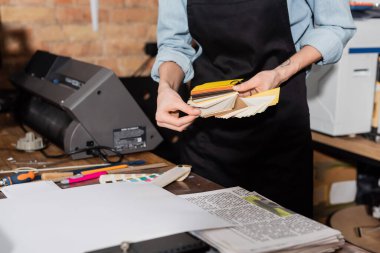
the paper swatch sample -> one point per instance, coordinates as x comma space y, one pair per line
218, 99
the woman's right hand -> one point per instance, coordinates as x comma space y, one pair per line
169, 104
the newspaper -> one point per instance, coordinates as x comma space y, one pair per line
261, 225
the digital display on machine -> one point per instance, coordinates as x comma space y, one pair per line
71, 82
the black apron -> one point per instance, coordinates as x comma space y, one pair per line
270, 152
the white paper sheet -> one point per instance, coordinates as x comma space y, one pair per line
91, 217
27, 189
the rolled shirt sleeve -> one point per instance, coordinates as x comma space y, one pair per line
331, 28
174, 39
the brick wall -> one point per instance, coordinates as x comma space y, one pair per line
64, 27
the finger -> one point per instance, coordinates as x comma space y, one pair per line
175, 128
173, 120
248, 93
188, 109
245, 94
244, 87
178, 129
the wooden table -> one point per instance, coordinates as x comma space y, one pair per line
354, 149
357, 150
10, 158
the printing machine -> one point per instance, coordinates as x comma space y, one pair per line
341, 96
80, 106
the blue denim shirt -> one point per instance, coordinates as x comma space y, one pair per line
327, 25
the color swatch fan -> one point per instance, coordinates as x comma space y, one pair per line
218, 99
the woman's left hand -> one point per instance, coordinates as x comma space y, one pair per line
262, 81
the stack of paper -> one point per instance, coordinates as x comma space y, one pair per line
261, 225
220, 100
